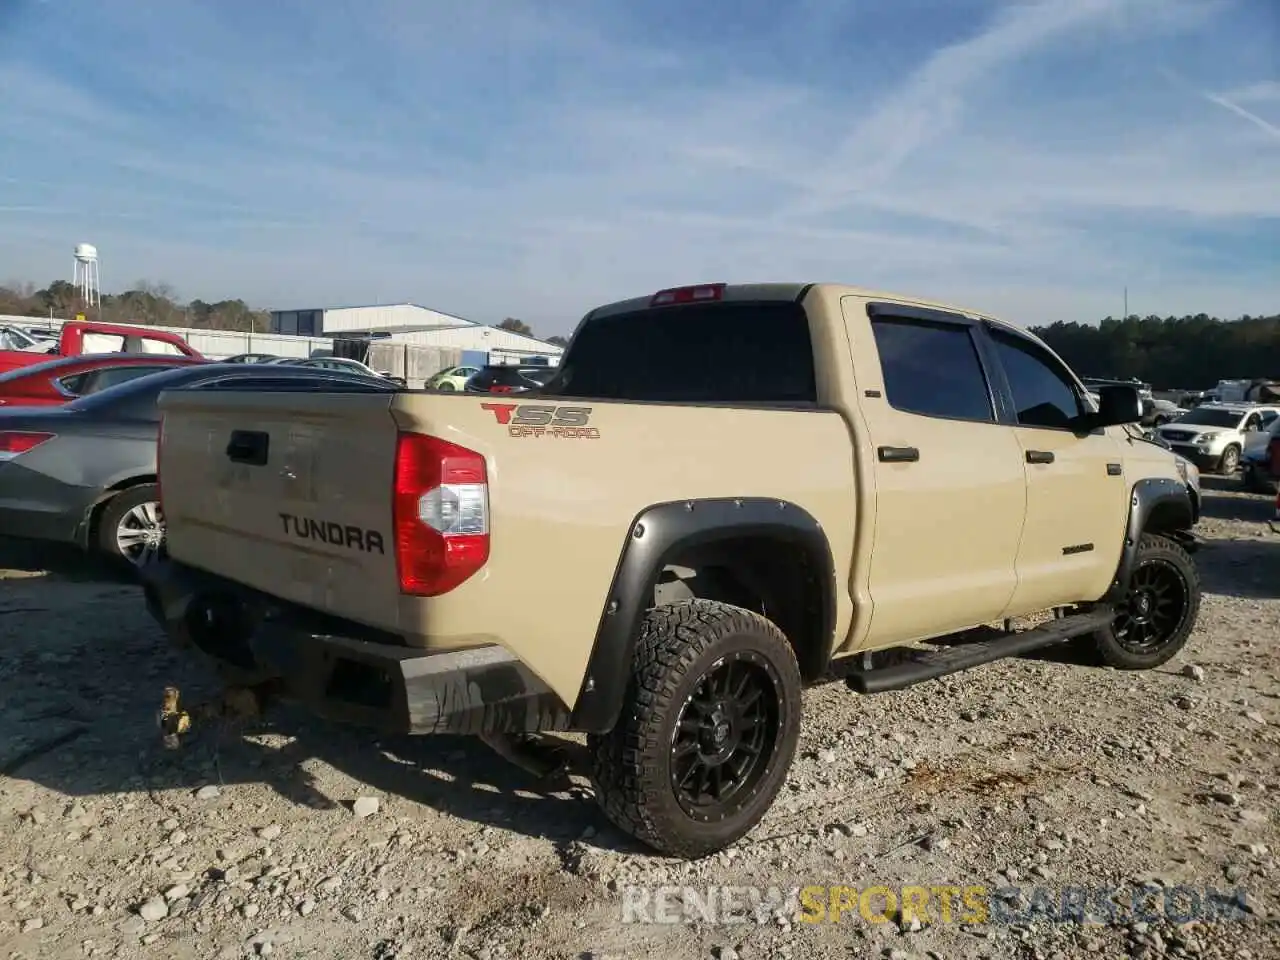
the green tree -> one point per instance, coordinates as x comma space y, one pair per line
516, 326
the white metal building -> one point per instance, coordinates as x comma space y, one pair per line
411, 323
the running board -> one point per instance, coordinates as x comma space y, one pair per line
918, 664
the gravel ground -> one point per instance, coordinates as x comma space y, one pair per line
299, 838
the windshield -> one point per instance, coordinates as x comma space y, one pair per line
1211, 418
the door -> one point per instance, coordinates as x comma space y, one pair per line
1077, 494
949, 486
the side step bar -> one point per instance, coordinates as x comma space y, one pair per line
918, 664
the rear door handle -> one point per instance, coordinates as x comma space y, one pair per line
248, 446
898, 454
1039, 456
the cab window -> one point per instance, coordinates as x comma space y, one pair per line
932, 369
1044, 393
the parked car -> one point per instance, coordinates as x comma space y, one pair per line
1157, 412
55, 382
452, 378
1213, 435
251, 358
84, 473
82, 336
1260, 461
745, 490
509, 378
335, 363
13, 337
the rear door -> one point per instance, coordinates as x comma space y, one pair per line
1077, 494
950, 491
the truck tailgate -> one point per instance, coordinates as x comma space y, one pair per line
290, 493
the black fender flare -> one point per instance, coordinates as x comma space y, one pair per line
1156, 505
658, 533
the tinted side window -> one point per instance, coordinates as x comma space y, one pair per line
1043, 392
932, 369
75, 383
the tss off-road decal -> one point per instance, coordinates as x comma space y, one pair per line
544, 420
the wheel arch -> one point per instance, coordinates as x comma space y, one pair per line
1157, 505
88, 529
748, 539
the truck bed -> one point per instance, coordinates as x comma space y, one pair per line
304, 509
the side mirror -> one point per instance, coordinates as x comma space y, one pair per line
1117, 404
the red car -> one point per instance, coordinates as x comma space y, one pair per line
57, 381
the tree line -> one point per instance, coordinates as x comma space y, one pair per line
1191, 352
1171, 353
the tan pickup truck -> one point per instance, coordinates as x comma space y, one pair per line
726, 494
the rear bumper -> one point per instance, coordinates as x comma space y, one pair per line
345, 672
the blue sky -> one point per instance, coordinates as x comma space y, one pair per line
534, 158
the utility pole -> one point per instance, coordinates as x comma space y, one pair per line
1126, 304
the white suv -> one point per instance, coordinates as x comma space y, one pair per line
1213, 434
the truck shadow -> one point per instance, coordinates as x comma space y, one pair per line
61, 561
1233, 505
1244, 568
79, 701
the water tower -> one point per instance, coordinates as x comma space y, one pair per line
87, 279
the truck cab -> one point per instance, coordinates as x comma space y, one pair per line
82, 336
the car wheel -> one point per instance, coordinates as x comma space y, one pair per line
1230, 461
1157, 616
131, 526
708, 729
447, 387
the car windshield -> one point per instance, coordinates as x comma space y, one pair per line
1202, 417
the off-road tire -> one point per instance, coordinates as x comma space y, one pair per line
1154, 549
110, 515
678, 645
1229, 462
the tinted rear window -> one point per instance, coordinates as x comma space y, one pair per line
734, 352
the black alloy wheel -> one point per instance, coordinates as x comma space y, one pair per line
1155, 619
1155, 607
707, 730
725, 736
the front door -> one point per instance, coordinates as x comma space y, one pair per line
950, 491
1077, 494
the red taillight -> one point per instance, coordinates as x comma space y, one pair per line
501, 388
14, 443
441, 514
695, 294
